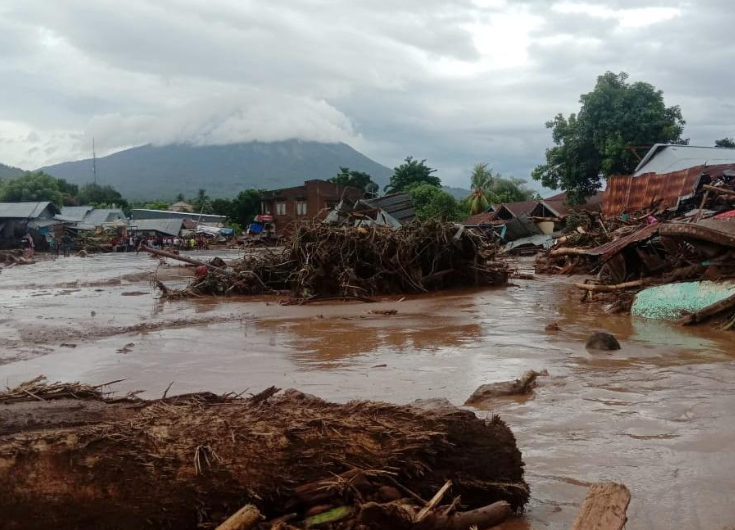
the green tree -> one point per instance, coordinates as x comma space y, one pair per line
33, 186
241, 210
412, 172
431, 202
492, 188
69, 193
350, 177
728, 143
201, 202
180, 197
596, 142
480, 180
156, 205
101, 196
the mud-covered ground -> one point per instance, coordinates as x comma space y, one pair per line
657, 415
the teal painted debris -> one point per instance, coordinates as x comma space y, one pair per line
674, 300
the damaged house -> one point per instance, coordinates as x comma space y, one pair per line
313, 200
394, 210
19, 218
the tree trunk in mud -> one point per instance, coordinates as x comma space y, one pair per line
604, 508
195, 460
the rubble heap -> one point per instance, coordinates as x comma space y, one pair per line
320, 260
190, 461
692, 242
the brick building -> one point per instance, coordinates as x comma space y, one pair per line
312, 200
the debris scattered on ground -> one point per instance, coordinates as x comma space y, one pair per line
553, 327
384, 311
10, 258
127, 348
692, 241
39, 389
322, 262
522, 386
601, 340
299, 460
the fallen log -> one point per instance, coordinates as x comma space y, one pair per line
185, 259
243, 519
191, 461
719, 191
604, 508
610, 288
524, 385
568, 251
708, 312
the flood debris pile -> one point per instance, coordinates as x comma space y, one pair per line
654, 247
192, 461
10, 258
324, 261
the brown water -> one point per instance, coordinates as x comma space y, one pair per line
657, 415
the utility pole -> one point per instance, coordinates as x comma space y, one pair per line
94, 163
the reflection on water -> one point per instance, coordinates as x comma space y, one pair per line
656, 415
325, 343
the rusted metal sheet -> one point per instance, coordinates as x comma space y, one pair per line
711, 230
626, 193
611, 248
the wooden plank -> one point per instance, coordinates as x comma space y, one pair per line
604, 508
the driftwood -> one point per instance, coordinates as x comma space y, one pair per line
610, 288
488, 392
243, 519
399, 516
361, 262
719, 191
604, 508
185, 259
192, 461
568, 251
708, 312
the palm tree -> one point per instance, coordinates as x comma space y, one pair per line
481, 181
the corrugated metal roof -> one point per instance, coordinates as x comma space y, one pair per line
75, 213
627, 193
143, 213
398, 205
666, 158
170, 227
23, 210
103, 215
484, 218
611, 248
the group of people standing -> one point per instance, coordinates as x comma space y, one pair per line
125, 244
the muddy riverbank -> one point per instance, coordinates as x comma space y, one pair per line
655, 415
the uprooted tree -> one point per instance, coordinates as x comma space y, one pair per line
616, 118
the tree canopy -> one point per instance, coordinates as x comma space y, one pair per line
101, 196
240, 210
410, 173
431, 202
599, 140
38, 186
492, 188
725, 142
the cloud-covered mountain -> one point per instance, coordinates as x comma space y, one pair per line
9, 172
161, 172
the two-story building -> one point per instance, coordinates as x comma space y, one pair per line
313, 200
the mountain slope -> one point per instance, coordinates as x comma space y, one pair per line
10, 172
150, 172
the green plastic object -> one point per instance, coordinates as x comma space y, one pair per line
329, 516
674, 300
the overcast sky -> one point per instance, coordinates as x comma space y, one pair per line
455, 82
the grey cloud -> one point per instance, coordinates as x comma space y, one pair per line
392, 78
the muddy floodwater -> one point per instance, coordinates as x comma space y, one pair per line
658, 415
